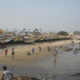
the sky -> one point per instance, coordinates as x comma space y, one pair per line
46, 15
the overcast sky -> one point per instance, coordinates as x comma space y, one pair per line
49, 15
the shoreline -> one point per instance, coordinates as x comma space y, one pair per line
21, 57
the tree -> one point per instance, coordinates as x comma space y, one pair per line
77, 33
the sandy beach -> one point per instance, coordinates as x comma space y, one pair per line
21, 57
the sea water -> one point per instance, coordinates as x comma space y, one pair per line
64, 66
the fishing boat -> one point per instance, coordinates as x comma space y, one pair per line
28, 39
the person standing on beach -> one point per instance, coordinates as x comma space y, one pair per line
13, 53
49, 48
55, 50
6, 52
39, 49
7, 75
33, 50
73, 44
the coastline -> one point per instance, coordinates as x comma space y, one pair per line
21, 56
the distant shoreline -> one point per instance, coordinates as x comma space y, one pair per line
2, 46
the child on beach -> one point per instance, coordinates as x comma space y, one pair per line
6, 52
7, 75
13, 53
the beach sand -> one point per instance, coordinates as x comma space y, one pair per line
21, 57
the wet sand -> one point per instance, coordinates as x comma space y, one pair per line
22, 59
